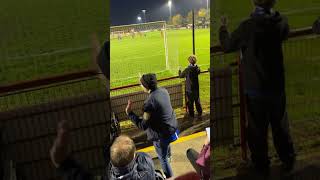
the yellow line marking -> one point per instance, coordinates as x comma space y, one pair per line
180, 140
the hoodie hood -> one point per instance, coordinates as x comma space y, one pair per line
124, 173
271, 22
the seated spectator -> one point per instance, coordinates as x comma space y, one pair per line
125, 162
201, 162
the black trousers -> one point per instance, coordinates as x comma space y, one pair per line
193, 98
263, 111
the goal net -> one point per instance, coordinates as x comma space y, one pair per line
140, 48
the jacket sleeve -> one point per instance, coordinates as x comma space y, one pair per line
231, 42
138, 121
147, 167
104, 59
183, 74
71, 170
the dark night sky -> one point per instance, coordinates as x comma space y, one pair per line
126, 11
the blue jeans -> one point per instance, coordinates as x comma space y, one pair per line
164, 152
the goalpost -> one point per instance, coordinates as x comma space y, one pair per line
141, 30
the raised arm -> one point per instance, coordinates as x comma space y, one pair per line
67, 168
140, 122
234, 41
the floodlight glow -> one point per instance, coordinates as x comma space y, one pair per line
144, 11
169, 3
139, 18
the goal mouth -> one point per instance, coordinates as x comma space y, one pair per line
144, 44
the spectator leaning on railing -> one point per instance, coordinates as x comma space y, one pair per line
159, 120
191, 74
260, 38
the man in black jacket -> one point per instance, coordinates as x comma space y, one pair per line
191, 74
259, 39
159, 120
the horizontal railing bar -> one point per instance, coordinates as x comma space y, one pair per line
47, 80
293, 34
160, 80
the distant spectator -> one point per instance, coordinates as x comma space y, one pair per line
159, 120
201, 161
125, 162
191, 74
260, 38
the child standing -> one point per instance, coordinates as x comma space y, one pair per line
191, 74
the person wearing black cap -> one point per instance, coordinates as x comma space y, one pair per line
159, 120
259, 39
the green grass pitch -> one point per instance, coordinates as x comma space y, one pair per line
133, 56
44, 38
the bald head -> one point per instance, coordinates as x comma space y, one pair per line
122, 151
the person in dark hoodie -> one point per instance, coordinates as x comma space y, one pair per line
259, 39
191, 74
125, 162
159, 120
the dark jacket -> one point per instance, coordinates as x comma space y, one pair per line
104, 59
260, 40
191, 74
141, 168
162, 123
